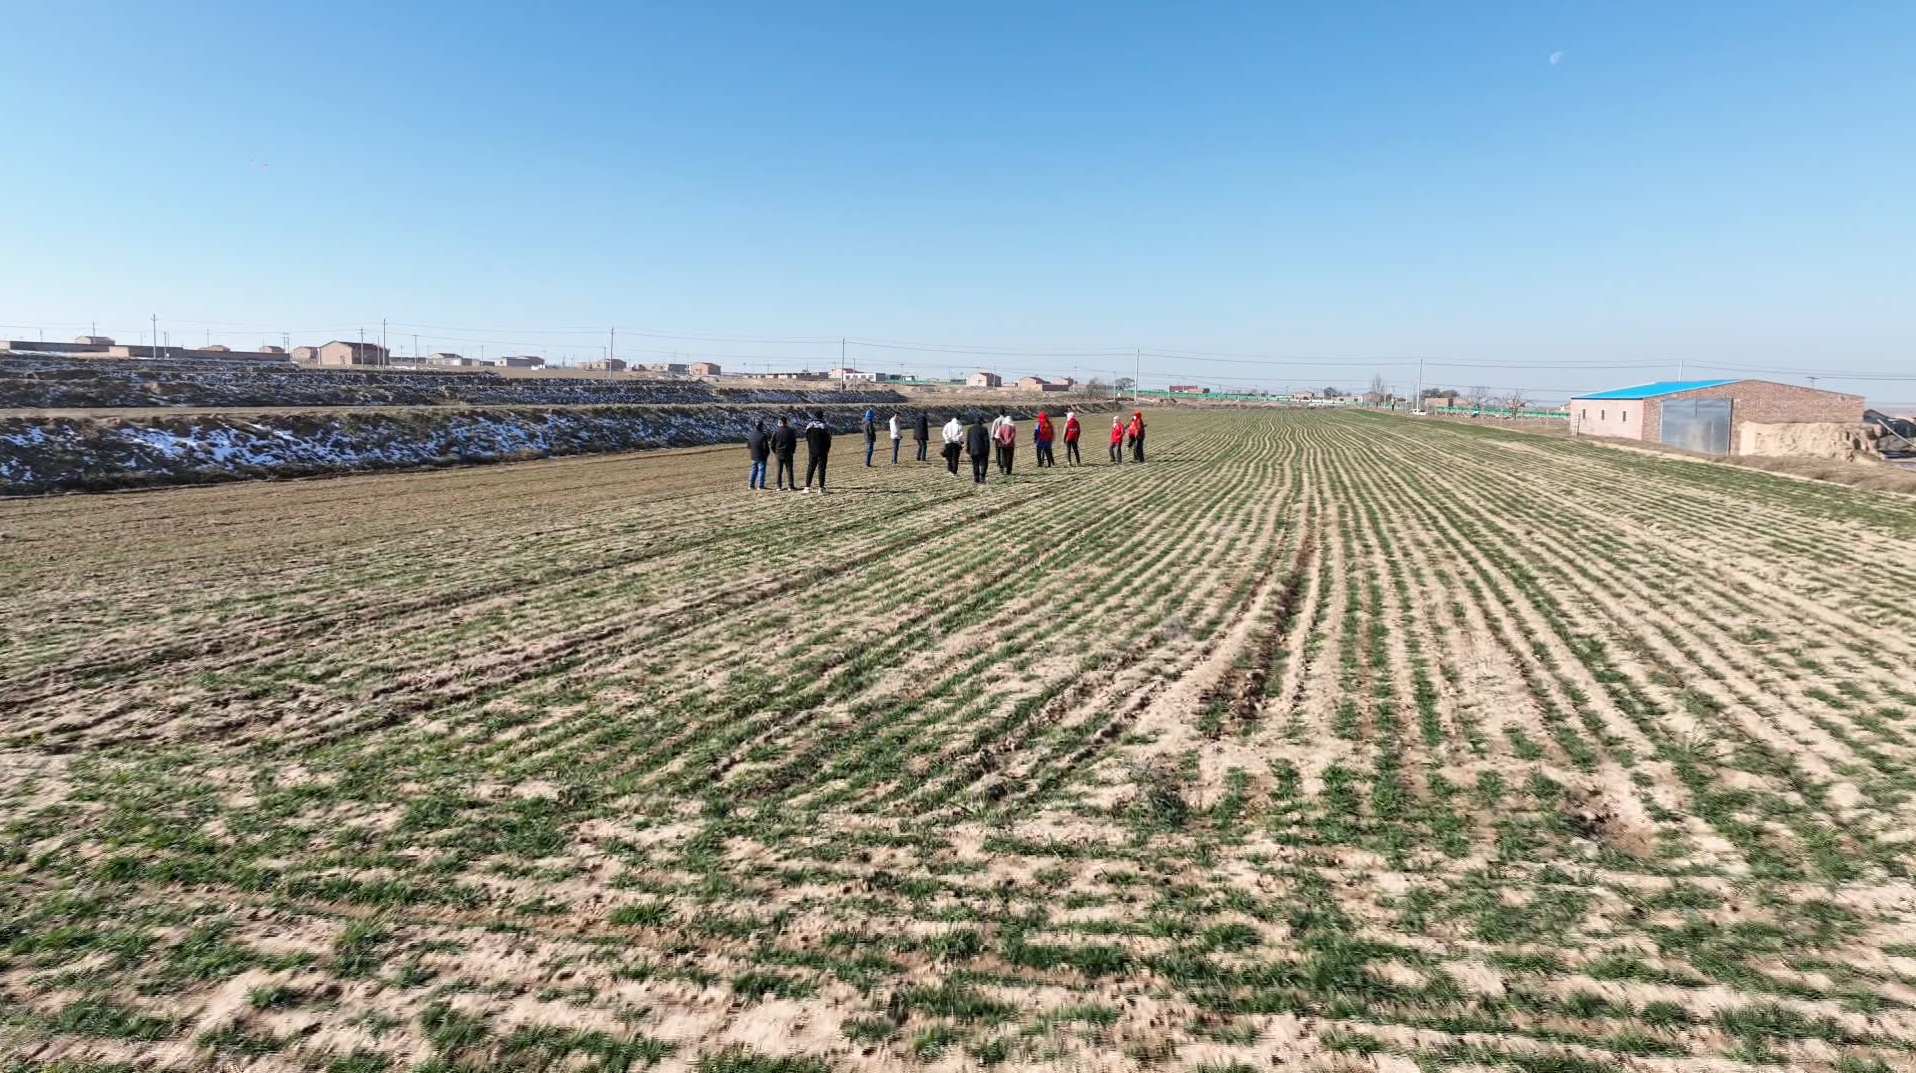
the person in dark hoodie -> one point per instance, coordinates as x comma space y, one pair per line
758, 444
921, 432
784, 448
818, 446
978, 445
871, 436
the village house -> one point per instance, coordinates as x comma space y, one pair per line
342, 353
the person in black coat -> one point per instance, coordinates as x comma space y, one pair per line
784, 448
758, 444
921, 431
978, 446
818, 445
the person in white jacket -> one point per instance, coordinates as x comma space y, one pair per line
954, 443
896, 434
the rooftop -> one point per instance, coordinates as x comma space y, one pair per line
1651, 391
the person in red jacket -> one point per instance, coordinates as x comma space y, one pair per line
1135, 434
1071, 431
1117, 438
1041, 437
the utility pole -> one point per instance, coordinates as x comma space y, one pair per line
612, 348
1679, 368
415, 346
1137, 374
156, 337
1418, 402
385, 356
286, 341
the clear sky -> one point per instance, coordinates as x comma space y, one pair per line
1314, 191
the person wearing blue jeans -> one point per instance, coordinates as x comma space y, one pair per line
871, 435
758, 444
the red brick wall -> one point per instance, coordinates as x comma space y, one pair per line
1763, 402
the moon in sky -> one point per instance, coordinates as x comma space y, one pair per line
1556, 57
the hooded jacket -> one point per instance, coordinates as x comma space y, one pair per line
784, 441
1136, 428
871, 427
954, 431
1117, 430
977, 440
758, 443
921, 431
818, 439
1071, 428
1043, 433
894, 426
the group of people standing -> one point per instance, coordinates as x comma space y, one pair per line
781, 444
980, 441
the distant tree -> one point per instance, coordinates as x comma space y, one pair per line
1331, 393
1379, 386
1479, 397
1125, 383
1518, 401
1097, 389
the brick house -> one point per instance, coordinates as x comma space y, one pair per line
705, 368
604, 365
338, 353
1705, 415
1038, 383
984, 379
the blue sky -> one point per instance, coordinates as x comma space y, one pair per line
1282, 194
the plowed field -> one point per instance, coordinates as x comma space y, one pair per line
1320, 741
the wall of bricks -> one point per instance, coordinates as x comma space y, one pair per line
1766, 403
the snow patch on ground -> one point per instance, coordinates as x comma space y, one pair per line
49, 454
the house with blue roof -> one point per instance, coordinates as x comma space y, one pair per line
1706, 416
